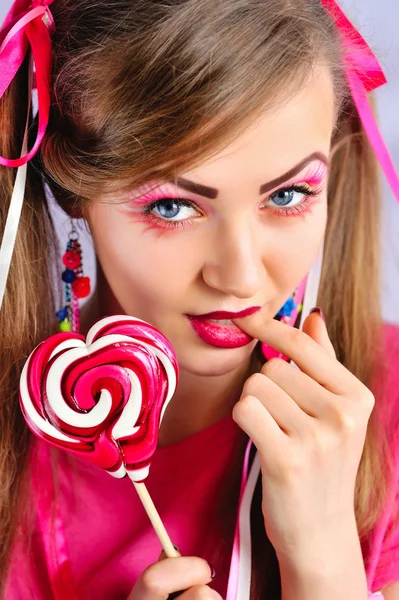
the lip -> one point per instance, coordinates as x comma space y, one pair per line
220, 336
223, 314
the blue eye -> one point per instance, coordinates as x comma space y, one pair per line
283, 197
170, 208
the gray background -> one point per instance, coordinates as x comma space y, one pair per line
377, 21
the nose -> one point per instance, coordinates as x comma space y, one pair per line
234, 265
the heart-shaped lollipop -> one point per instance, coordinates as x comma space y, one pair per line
104, 398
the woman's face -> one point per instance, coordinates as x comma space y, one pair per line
243, 233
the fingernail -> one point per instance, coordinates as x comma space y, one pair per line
318, 310
213, 570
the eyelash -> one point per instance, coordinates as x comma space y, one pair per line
293, 211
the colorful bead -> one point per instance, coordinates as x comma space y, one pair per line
65, 326
288, 308
62, 314
76, 285
68, 276
81, 287
71, 259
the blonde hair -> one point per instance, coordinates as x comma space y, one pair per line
143, 90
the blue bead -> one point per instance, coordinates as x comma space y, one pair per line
288, 308
68, 276
62, 314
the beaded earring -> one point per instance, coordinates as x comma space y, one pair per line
76, 285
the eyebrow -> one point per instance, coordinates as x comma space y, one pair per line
212, 193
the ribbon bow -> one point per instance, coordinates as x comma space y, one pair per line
364, 74
28, 24
358, 55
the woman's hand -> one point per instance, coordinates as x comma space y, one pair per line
309, 426
169, 575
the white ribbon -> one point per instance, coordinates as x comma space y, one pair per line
17, 199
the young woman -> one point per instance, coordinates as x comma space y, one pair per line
215, 150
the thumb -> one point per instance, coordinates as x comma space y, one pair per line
315, 327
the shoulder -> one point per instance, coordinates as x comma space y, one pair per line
390, 346
384, 541
390, 338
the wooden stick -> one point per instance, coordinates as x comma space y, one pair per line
155, 519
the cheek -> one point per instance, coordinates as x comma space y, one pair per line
142, 261
295, 248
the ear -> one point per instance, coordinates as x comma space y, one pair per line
69, 203
73, 210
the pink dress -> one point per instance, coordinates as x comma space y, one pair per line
104, 541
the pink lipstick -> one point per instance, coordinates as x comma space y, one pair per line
224, 314
222, 334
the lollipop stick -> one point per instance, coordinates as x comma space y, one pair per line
155, 519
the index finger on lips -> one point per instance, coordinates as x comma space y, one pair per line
307, 354
170, 575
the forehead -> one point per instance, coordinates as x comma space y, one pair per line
300, 124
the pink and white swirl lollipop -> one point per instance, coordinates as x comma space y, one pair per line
103, 399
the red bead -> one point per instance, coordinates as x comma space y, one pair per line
71, 259
81, 287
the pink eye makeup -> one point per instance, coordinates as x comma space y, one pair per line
163, 199
315, 173
309, 186
161, 208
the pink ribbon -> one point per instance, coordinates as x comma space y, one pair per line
28, 24
364, 74
358, 54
